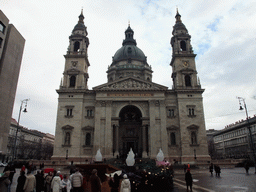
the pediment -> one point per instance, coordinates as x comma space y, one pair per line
130, 83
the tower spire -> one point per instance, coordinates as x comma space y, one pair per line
178, 16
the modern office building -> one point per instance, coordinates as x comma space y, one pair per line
233, 140
11, 51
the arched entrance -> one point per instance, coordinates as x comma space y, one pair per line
130, 133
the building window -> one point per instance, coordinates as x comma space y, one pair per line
76, 46
67, 139
191, 111
2, 27
69, 111
170, 113
72, 81
173, 139
89, 113
193, 138
187, 80
88, 139
183, 46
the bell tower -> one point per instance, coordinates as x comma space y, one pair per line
183, 58
75, 74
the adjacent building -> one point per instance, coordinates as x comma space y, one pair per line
31, 144
233, 140
130, 111
11, 51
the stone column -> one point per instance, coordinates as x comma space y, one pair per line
108, 131
97, 131
144, 139
117, 140
164, 137
152, 131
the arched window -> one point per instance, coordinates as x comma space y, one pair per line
173, 139
88, 139
193, 138
67, 138
72, 81
187, 80
76, 46
183, 46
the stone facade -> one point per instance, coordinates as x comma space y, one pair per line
130, 111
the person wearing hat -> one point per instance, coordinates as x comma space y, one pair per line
125, 185
95, 182
188, 179
5, 182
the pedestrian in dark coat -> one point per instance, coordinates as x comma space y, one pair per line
217, 170
246, 166
211, 169
188, 179
114, 183
95, 182
21, 182
39, 181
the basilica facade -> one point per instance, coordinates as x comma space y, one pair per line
130, 110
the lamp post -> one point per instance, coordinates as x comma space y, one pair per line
66, 154
18, 124
195, 154
250, 140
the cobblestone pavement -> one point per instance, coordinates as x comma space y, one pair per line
230, 180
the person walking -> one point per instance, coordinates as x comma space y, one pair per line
246, 166
39, 181
5, 182
95, 182
211, 169
188, 179
21, 181
217, 170
30, 183
125, 184
55, 185
48, 181
76, 181
114, 183
65, 184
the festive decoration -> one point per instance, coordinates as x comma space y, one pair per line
98, 156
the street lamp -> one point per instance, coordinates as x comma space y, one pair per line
195, 154
25, 110
250, 140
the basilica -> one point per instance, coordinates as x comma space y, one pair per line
130, 111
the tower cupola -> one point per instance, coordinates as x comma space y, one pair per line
181, 39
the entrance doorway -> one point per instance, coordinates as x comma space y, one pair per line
130, 133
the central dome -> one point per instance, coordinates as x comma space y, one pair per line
129, 60
129, 52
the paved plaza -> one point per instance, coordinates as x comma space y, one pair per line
230, 180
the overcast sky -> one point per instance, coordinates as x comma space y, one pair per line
223, 37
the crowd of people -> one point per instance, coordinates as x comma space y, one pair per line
54, 181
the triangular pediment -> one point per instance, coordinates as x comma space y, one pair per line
130, 83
